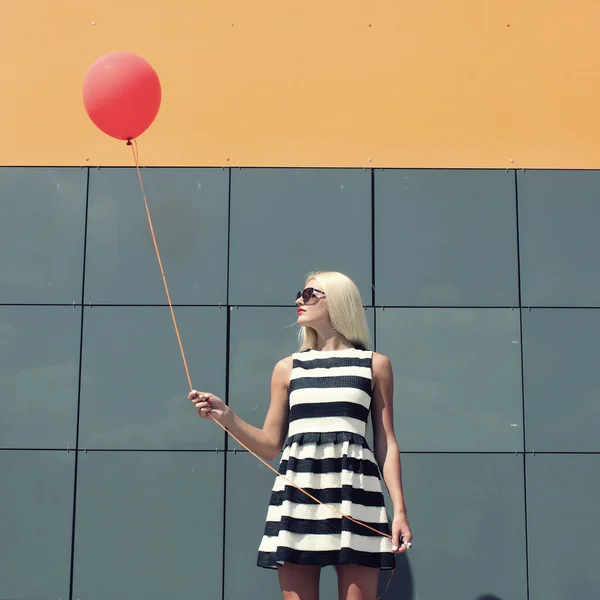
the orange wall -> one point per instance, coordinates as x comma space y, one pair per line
374, 83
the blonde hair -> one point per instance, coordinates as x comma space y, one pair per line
345, 307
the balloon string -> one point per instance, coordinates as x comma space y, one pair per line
134, 149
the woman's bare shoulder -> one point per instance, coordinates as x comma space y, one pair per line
381, 364
283, 367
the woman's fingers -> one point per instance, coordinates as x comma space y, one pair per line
206, 404
195, 396
203, 409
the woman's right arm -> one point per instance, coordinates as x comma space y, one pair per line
268, 441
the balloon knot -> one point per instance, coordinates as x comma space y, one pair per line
129, 142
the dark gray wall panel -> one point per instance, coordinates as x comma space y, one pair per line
189, 209
445, 238
562, 525
149, 525
134, 388
286, 223
259, 338
558, 234
36, 513
39, 376
42, 229
562, 391
249, 484
457, 374
468, 521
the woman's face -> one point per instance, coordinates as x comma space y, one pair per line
314, 311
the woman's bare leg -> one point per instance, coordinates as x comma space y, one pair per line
299, 582
357, 583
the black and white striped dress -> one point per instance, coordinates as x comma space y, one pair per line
326, 453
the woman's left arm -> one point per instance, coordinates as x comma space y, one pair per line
387, 453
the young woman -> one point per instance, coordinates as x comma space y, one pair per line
321, 398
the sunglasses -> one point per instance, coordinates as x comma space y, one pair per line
307, 293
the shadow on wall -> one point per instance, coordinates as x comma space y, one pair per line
401, 585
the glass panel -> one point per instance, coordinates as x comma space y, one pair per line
134, 388
288, 222
36, 515
39, 376
246, 516
249, 485
153, 522
260, 337
562, 526
467, 518
457, 376
562, 393
445, 238
189, 214
558, 236
42, 227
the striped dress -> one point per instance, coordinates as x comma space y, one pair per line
326, 454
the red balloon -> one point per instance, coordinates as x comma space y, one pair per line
122, 94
